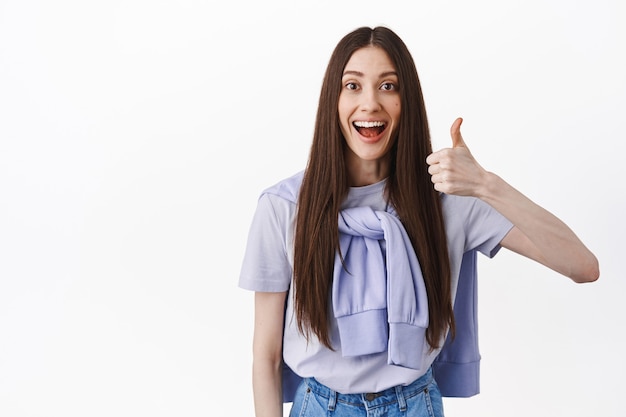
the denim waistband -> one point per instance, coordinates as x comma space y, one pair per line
394, 394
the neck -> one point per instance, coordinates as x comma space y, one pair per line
361, 172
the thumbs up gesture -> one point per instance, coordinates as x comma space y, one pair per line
454, 170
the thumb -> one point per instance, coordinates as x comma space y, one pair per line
455, 133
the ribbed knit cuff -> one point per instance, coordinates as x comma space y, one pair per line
457, 379
406, 346
363, 333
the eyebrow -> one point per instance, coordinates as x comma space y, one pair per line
360, 74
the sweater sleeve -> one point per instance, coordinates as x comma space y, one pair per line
473, 226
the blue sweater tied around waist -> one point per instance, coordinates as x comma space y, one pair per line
379, 296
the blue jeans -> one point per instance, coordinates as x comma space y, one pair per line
421, 398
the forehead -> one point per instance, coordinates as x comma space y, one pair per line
370, 60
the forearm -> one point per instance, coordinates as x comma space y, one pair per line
267, 354
267, 386
555, 244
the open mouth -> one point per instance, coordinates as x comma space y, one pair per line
369, 129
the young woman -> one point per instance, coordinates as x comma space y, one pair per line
364, 263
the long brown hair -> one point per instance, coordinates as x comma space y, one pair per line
409, 189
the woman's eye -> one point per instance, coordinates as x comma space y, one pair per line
388, 86
351, 86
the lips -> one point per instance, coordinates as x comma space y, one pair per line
369, 129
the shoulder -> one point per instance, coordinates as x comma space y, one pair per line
277, 203
287, 189
457, 204
463, 213
473, 221
454, 204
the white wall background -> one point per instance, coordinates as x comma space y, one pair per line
136, 135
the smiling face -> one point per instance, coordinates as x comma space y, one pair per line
369, 112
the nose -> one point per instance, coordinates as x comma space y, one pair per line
369, 100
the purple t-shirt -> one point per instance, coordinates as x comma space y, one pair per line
471, 225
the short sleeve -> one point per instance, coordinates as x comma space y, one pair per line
266, 266
485, 228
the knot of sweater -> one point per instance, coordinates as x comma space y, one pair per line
379, 296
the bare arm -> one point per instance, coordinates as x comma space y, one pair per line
269, 309
538, 234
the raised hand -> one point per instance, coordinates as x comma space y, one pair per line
454, 170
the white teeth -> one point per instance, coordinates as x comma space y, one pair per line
369, 124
